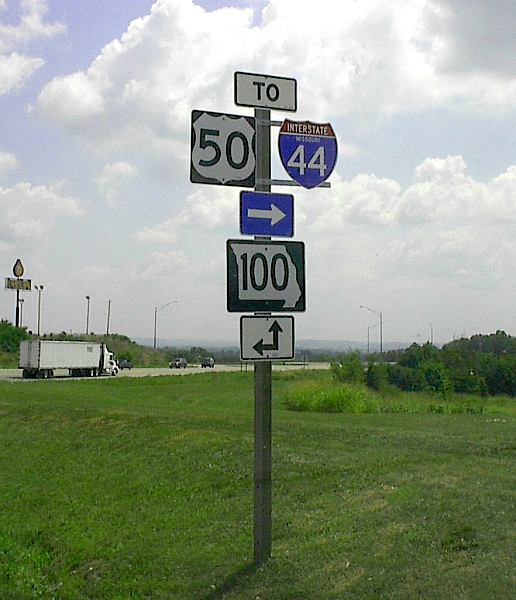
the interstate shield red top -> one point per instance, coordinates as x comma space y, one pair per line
308, 151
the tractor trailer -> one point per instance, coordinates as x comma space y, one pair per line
39, 359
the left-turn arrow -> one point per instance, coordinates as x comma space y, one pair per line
275, 328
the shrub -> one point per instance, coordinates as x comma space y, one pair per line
347, 398
407, 379
467, 382
376, 377
348, 369
436, 378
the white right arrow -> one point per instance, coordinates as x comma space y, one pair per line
275, 214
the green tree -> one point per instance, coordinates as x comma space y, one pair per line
499, 373
415, 356
436, 378
496, 343
11, 336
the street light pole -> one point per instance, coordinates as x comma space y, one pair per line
87, 315
369, 327
39, 289
376, 312
381, 333
21, 312
157, 309
108, 316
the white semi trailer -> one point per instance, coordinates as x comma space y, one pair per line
40, 358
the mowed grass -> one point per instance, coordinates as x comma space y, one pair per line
142, 488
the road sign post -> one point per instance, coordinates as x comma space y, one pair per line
263, 275
262, 383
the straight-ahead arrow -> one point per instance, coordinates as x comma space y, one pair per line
275, 328
274, 214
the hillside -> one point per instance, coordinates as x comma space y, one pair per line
121, 345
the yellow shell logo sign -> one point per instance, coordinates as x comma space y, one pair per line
18, 269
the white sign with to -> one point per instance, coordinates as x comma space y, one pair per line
265, 91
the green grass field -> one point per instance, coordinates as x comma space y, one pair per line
142, 488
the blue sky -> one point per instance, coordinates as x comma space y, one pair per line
95, 103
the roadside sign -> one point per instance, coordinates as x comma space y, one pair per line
308, 151
266, 214
222, 149
265, 91
18, 269
266, 338
265, 276
18, 284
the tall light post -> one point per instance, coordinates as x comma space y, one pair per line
376, 312
157, 309
108, 316
21, 312
39, 289
369, 327
431, 334
87, 314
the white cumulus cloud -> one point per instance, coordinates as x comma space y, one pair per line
28, 213
8, 162
213, 212
113, 178
444, 225
16, 67
350, 58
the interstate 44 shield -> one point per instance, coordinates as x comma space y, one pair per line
308, 151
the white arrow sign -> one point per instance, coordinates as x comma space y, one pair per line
266, 338
274, 214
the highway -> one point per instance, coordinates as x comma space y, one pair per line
62, 374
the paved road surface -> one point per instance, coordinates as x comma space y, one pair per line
16, 374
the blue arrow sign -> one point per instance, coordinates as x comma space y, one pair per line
266, 214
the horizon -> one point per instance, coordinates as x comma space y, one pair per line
330, 345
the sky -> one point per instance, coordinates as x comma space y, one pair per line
95, 196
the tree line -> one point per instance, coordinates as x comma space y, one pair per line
482, 365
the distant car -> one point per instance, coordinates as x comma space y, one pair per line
208, 363
123, 363
178, 363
